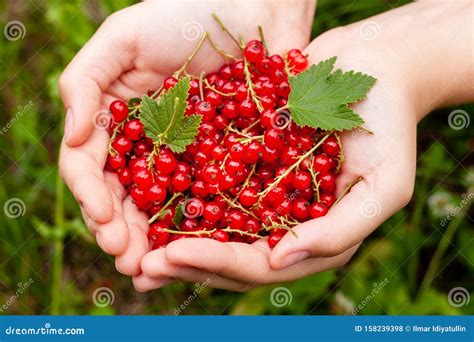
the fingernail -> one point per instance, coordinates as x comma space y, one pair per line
69, 124
294, 258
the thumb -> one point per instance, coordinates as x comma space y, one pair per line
360, 212
99, 63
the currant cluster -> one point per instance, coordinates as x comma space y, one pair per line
250, 172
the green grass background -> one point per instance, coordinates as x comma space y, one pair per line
49, 246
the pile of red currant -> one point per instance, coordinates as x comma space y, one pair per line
250, 173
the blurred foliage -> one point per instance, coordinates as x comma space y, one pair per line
49, 243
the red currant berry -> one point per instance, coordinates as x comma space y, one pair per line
156, 193
274, 238
125, 176
254, 51
248, 197
220, 235
321, 164
119, 110
165, 162
199, 189
212, 212
318, 209
134, 129
301, 180
169, 82
331, 146
181, 181
158, 233
299, 209
116, 162
122, 145
143, 178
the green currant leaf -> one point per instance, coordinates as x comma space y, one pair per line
184, 135
164, 120
319, 98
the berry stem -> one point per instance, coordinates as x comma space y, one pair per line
237, 205
197, 232
178, 73
223, 28
292, 167
262, 39
162, 210
236, 131
347, 189
220, 51
251, 126
201, 90
208, 85
315, 182
244, 185
340, 157
248, 80
230, 230
249, 139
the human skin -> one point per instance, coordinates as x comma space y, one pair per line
422, 56
131, 53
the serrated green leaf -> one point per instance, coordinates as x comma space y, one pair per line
148, 109
164, 120
320, 99
185, 134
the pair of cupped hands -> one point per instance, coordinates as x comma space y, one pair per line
136, 48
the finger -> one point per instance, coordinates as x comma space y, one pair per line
98, 63
83, 173
155, 265
245, 263
128, 263
112, 236
360, 212
143, 283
